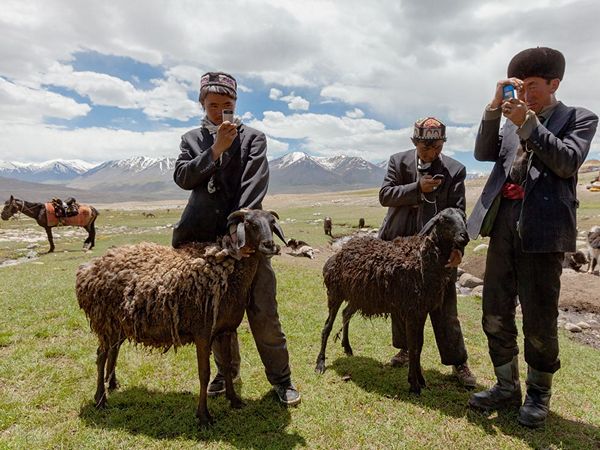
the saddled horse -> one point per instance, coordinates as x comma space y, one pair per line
44, 215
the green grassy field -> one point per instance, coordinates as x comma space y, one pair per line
47, 364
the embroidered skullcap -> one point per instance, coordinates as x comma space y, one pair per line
429, 128
218, 79
540, 62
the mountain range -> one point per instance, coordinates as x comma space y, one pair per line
152, 178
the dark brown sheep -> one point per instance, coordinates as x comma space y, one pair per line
163, 297
406, 276
361, 223
327, 225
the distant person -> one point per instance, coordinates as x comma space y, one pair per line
527, 207
224, 164
420, 183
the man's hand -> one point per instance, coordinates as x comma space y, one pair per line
226, 134
499, 94
455, 258
429, 184
515, 110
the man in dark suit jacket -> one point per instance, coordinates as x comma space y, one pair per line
225, 166
419, 183
528, 209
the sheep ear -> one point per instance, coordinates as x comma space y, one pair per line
241, 235
279, 232
428, 226
275, 214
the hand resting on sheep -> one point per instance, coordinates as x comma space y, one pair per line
163, 297
406, 276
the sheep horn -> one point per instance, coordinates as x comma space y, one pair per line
240, 214
275, 214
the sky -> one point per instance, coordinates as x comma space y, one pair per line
109, 80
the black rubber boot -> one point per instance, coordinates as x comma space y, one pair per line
535, 409
506, 393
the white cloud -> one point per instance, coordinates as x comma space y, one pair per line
22, 104
168, 98
353, 52
327, 135
295, 102
275, 94
356, 113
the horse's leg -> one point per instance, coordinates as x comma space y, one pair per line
111, 376
50, 239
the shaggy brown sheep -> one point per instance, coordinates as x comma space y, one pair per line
163, 297
327, 225
406, 276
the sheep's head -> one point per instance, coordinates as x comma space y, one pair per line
254, 229
448, 226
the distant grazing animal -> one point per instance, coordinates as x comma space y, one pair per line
361, 223
301, 248
163, 297
406, 276
148, 215
593, 238
327, 225
574, 260
43, 214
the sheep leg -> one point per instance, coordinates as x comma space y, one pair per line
334, 307
111, 376
414, 328
347, 314
100, 396
223, 342
203, 357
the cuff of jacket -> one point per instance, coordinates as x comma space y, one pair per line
491, 114
527, 127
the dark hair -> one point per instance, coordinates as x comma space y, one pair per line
213, 89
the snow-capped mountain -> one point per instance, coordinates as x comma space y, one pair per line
140, 174
299, 169
55, 171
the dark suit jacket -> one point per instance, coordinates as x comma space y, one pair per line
547, 222
241, 180
401, 193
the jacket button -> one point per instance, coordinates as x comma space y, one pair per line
545, 174
218, 211
545, 198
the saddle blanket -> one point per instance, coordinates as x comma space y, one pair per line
83, 218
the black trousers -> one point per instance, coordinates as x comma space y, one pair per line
535, 279
266, 328
446, 327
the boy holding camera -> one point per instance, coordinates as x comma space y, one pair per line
420, 183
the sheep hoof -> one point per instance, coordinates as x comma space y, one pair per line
237, 403
100, 401
113, 385
415, 390
205, 421
320, 368
348, 351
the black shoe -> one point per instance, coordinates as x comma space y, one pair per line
287, 394
506, 393
217, 385
535, 409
